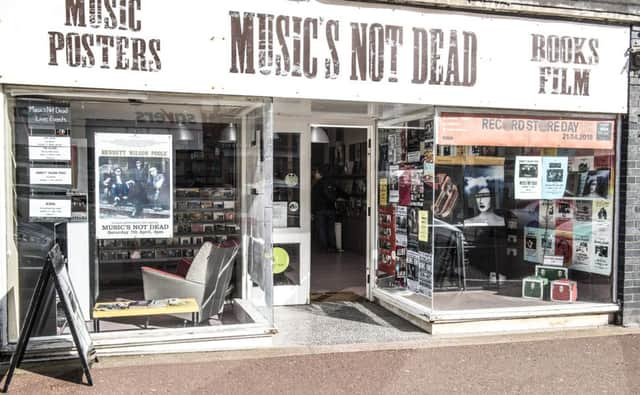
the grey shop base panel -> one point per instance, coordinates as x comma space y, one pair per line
256, 332
536, 317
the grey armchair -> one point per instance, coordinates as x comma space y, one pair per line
205, 279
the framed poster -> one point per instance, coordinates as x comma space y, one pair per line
134, 192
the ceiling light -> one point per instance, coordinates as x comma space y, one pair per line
319, 135
229, 134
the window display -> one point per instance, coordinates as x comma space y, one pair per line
150, 207
405, 171
521, 207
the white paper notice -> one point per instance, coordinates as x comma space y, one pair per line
49, 148
528, 177
279, 215
49, 176
49, 208
554, 177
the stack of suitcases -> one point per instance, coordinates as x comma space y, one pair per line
550, 282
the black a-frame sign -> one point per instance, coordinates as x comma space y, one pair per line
55, 268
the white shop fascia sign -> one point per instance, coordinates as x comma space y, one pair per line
309, 49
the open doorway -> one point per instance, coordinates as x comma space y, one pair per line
339, 211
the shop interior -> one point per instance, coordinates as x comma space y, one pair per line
338, 206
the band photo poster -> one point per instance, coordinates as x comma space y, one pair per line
134, 191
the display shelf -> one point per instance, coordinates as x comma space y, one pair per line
185, 242
143, 260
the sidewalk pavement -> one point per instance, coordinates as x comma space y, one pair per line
605, 360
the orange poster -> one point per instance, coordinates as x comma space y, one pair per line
519, 131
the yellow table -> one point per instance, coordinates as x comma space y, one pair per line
182, 305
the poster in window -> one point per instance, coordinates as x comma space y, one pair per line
394, 184
554, 177
596, 184
582, 247
564, 211
528, 178
417, 187
404, 188
401, 225
532, 245
423, 225
414, 140
483, 190
564, 246
425, 274
134, 188
546, 216
412, 222
547, 242
413, 262
386, 240
383, 191
579, 167
449, 183
583, 211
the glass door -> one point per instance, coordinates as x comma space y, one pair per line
291, 217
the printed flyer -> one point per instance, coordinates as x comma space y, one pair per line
394, 184
582, 248
564, 246
404, 181
413, 263
547, 242
554, 177
528, 178
423, 225
564, 214
417, 187
384, 193
414, 139
546, 216
134, 195
401, 226
583, 211
532, 245
425, 273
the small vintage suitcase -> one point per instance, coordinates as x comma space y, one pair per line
535, 287
564, 291
552, 273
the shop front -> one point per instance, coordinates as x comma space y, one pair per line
477, 160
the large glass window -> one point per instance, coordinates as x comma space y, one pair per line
520, 210
148, 202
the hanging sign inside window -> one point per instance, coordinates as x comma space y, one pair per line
49, 210
49, 176
50, 148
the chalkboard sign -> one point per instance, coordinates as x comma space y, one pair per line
55, 268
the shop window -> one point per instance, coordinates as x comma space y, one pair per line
520, 210
147, 202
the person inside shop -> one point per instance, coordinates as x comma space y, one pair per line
323, 197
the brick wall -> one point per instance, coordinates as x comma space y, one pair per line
629, 267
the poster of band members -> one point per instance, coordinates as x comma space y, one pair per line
134, 189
